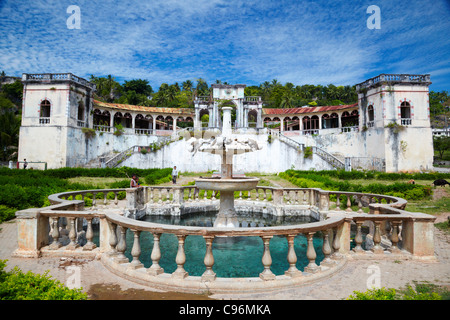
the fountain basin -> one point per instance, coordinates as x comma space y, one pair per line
224, 184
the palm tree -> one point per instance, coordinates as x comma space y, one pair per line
287, 100
187, 85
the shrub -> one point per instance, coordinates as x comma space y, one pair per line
374, 294
16, 285
6, 213
421, 292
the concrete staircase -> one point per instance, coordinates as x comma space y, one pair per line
328, 157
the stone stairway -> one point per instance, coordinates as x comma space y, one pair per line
328, 157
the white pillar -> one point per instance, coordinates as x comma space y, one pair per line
226, 125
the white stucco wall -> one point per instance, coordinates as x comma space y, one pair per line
272, 158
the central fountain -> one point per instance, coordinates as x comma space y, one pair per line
227, 146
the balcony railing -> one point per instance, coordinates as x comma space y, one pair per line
405, 121
44, 120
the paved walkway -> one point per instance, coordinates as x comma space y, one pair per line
102, 284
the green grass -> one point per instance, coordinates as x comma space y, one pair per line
433, 207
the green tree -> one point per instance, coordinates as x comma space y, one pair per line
108, 89
187, 85
13, 92
139, 86
441, 144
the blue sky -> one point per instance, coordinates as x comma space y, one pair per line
303, 42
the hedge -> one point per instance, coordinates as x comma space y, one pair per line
322, 180
22, 189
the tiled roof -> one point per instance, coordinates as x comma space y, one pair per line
129, 107
267, 111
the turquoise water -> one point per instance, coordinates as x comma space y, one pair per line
233, 256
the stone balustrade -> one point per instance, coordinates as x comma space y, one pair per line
382, 229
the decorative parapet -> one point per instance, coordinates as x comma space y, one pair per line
394, 79
401, 234
56, 77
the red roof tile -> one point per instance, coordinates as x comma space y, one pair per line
267, 111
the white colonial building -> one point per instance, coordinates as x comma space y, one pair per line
388, 129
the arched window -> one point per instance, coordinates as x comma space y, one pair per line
326, 121
350, 119
314, 122
118, 118
128, 120
44, 112
405, 113
295, 125
370, 116
141, 123
334, 120
160, 123
287, 123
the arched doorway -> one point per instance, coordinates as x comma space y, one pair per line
204, 118
252, 119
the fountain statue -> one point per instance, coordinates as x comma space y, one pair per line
225, 145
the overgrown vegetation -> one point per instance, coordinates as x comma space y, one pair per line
420, 291
338, 180
17, 285
23, 189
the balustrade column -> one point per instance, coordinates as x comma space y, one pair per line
155, 268
338, 202
136, 251
122, 246
358, 238
292, 259
55, 235
377, 238
72, 235
349, 203
394, 237
112, 238
336, 244
312, 267
267, 274
180, 259
360, 210
326, 249
209, 274
89, 236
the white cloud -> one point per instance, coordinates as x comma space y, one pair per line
235, 41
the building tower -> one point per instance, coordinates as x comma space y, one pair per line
56, 106
395, 120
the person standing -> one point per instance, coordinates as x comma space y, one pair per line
25, 163
174, 175
134, 183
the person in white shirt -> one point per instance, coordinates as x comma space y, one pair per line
174, 174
